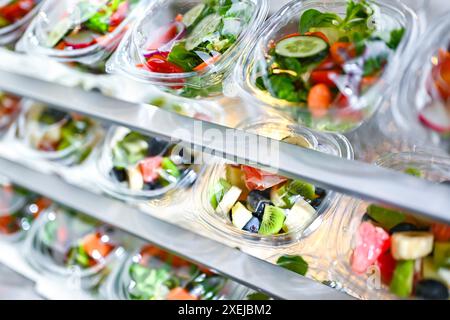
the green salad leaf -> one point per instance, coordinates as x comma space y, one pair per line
180, 56
313, 18
294, 263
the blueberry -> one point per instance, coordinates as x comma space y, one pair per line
156, 146
402, 227
252, 225
446, 183
321, 192
316, 203
254, 198
431, 290
259, 211
119, 174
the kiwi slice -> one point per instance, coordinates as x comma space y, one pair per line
272, 221
305, 189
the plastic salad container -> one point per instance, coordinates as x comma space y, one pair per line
423, 105
133, 166
81, 32
251, 206
154, 274
64, 243
54, 135
383, 253
327, 64
14, 18
9, 109
18, 209
188, 47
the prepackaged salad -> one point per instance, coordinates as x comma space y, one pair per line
327, 64
9, 109
386, 252
259, 207
18, 209
423, 105
154, 274
83, 33
140, 167
56, 135
66, 243
14, 17
188, 47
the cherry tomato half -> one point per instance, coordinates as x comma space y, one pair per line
324, 76
157, 64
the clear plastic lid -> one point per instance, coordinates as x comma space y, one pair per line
18, 209
133, 166
328, 64
9, 108
84, 31
384, 253
261, 208
55, 135
154, 274
187, 46
422, 107
66, 243
14, 17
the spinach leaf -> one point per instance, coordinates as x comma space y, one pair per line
313, 18
373, 65
294, 263
187, 60
396, 38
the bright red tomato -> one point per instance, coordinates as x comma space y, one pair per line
15, 11
324, 76
161, 65
387, 264
149, 168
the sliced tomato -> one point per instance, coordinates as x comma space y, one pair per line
16, 10
341, 101
319, 35
163, 36
94, 245
120, 14
342, 52
149, 168
180, 294
327, 64
324, 76
256, 179
160, 65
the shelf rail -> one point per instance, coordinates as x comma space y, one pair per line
351, 177
246, 269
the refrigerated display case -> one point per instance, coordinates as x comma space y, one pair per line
123, 181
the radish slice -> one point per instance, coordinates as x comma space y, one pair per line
436, 117
80, 40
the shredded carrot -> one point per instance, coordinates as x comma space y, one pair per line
179, 17
207, 63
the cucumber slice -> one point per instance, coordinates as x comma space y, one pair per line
300, 46
205, 27
193, 14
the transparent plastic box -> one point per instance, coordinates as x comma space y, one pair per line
137, 167
422, 105
14, 18
80, 32
373, 284
52, 135
215, 174
18, 210
68, 245
188, 47
153, 274
9, 109
324, 73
